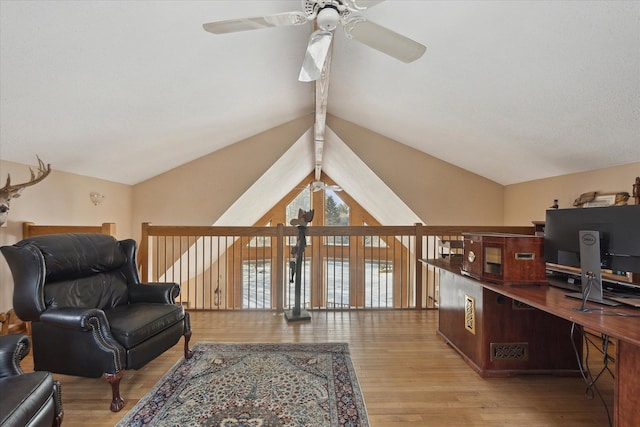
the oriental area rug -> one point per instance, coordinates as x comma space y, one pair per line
256, 385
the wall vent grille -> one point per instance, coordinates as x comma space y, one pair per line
509, 351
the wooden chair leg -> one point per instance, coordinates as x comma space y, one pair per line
4, 325
12, 324
188, 354
117, 402
57, 420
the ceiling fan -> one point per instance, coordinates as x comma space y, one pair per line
327, 14
320, 185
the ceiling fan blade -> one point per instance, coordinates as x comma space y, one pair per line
358, 5
383, 39
316, 55
244, 24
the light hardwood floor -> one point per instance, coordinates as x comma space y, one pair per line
408, 375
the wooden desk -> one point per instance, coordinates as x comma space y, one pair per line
548, 300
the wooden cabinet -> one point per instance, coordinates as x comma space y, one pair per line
627, 373
488, 324
510, 259
499, 336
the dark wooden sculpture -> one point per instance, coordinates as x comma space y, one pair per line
297, 313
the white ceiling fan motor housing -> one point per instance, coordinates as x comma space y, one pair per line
328, 18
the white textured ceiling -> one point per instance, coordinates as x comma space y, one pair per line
511, 90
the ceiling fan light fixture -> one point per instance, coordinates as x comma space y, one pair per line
328, 18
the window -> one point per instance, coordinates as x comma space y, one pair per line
302, 201
256, 292
338, 271
336, 211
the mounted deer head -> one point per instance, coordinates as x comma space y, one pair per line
9, 191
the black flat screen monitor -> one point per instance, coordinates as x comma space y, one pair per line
618, 228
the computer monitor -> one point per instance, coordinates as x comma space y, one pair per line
616, 227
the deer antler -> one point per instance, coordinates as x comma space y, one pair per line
11, 190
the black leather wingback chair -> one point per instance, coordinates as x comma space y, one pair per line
28, 400
90, 315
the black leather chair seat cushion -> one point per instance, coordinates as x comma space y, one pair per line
133, 323
26, 399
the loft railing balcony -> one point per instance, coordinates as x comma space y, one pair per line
344, 268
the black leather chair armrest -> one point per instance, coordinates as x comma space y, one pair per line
13, 348
76, 318
165, 293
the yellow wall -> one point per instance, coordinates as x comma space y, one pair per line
63, 199
438, 192
60, 199
199, 192
528, 201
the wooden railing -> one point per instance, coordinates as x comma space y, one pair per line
30, 229
345, 268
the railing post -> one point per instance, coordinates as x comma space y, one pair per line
418, 264
280, 247
143, 252
108, 228
26, 229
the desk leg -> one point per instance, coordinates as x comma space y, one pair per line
627, 386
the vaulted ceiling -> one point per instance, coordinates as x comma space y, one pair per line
513, 91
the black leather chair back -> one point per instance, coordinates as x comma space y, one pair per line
69, 270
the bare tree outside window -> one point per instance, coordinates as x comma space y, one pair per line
336, 212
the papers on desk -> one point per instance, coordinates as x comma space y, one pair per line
634, 302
